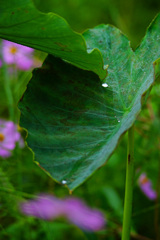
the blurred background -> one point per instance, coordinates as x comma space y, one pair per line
105, 189
131, 16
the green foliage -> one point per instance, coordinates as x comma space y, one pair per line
34, 230
21, 22
131, 16
75, 123
105, 190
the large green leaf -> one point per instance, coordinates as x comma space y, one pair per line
21, 22
74, 121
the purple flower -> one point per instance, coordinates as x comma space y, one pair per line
146, 187
9, 135
48, 208
44, 206
81, 215
17, 54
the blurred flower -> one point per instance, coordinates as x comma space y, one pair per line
44, 206
146, 187
9, 135
0, 63
81, 215
17, 54
48, 208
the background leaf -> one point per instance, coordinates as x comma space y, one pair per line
22, 23
74, 123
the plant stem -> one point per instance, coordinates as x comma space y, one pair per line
129, 186
8, 91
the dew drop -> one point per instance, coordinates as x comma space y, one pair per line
105, 67
104, 85
64, 181
119, 121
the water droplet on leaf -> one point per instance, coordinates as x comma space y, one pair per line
105, 67
64, 181
104, 85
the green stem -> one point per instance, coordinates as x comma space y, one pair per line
129, 186
16, 193
8, 91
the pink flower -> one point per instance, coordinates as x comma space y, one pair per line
146, 186
48, 208
81, 215
44, 206
9, 135
17, 54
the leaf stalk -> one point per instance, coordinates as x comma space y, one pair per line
128, 186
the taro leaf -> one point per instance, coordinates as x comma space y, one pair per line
21, 22
73, 122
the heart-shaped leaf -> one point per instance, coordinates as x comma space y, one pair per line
22, 23
74, 120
